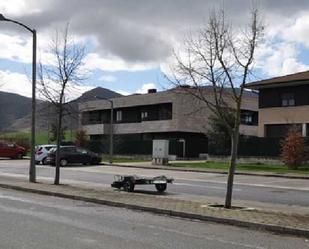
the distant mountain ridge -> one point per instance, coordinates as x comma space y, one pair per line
12, 107
15, 110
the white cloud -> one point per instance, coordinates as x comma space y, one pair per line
15, 48
20, 84
279, 59
15, 83
93, 61
125, 93
298, 30
146, 87
108, 78
12, 7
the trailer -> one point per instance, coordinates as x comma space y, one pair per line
128, 182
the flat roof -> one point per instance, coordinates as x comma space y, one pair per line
290, 79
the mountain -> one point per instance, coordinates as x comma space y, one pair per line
100, 92
12, 107
15, 111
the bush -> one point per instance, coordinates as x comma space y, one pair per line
293, 149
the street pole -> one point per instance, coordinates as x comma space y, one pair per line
32, 173
111, 133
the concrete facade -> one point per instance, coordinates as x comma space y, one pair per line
188, 114
283, 101
283, 115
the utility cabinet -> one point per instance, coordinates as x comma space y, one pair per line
160, 152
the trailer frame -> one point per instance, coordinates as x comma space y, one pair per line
128, 182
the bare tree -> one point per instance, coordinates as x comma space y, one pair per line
58, 80
215, 67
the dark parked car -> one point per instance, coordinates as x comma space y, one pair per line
72, 155
11, 150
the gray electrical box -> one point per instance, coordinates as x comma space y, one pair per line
160, 152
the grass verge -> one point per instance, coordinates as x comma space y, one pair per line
267, 168
125, 160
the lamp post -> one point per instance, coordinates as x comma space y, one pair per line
32, 174
111, 128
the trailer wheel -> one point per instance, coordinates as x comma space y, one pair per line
161, 187
128, 185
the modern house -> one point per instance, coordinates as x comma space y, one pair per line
172, 114
283, 102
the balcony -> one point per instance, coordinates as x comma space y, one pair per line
131, 128
94, 129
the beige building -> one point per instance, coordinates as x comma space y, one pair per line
283, 102
172, 114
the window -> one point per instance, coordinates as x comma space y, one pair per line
165, 111
144, 115
68, 149
249, 117
287, 99
119, 116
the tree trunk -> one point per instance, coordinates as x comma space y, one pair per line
57, 173
230, 179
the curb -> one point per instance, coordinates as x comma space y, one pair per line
252, 225
209, 171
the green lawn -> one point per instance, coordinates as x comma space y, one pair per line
41, 137
279, 169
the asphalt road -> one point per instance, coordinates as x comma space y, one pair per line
32, 221
264, 190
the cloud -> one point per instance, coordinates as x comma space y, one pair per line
15, 48
125, 93
146, 87
12, 7
108, 78
139, 35
298, 30
15, 83
93, 61
280, 59
20, 84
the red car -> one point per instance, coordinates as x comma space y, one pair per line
11, 150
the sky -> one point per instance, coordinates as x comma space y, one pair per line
130, 43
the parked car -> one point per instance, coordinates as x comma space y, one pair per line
11, 150
41, 153
72, 155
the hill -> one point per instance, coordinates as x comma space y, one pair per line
15, 111
12, 107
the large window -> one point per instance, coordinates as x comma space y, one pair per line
93, 117
134, 114
156, 112
287, 99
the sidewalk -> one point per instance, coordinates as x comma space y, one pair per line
279, 222
148, 165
